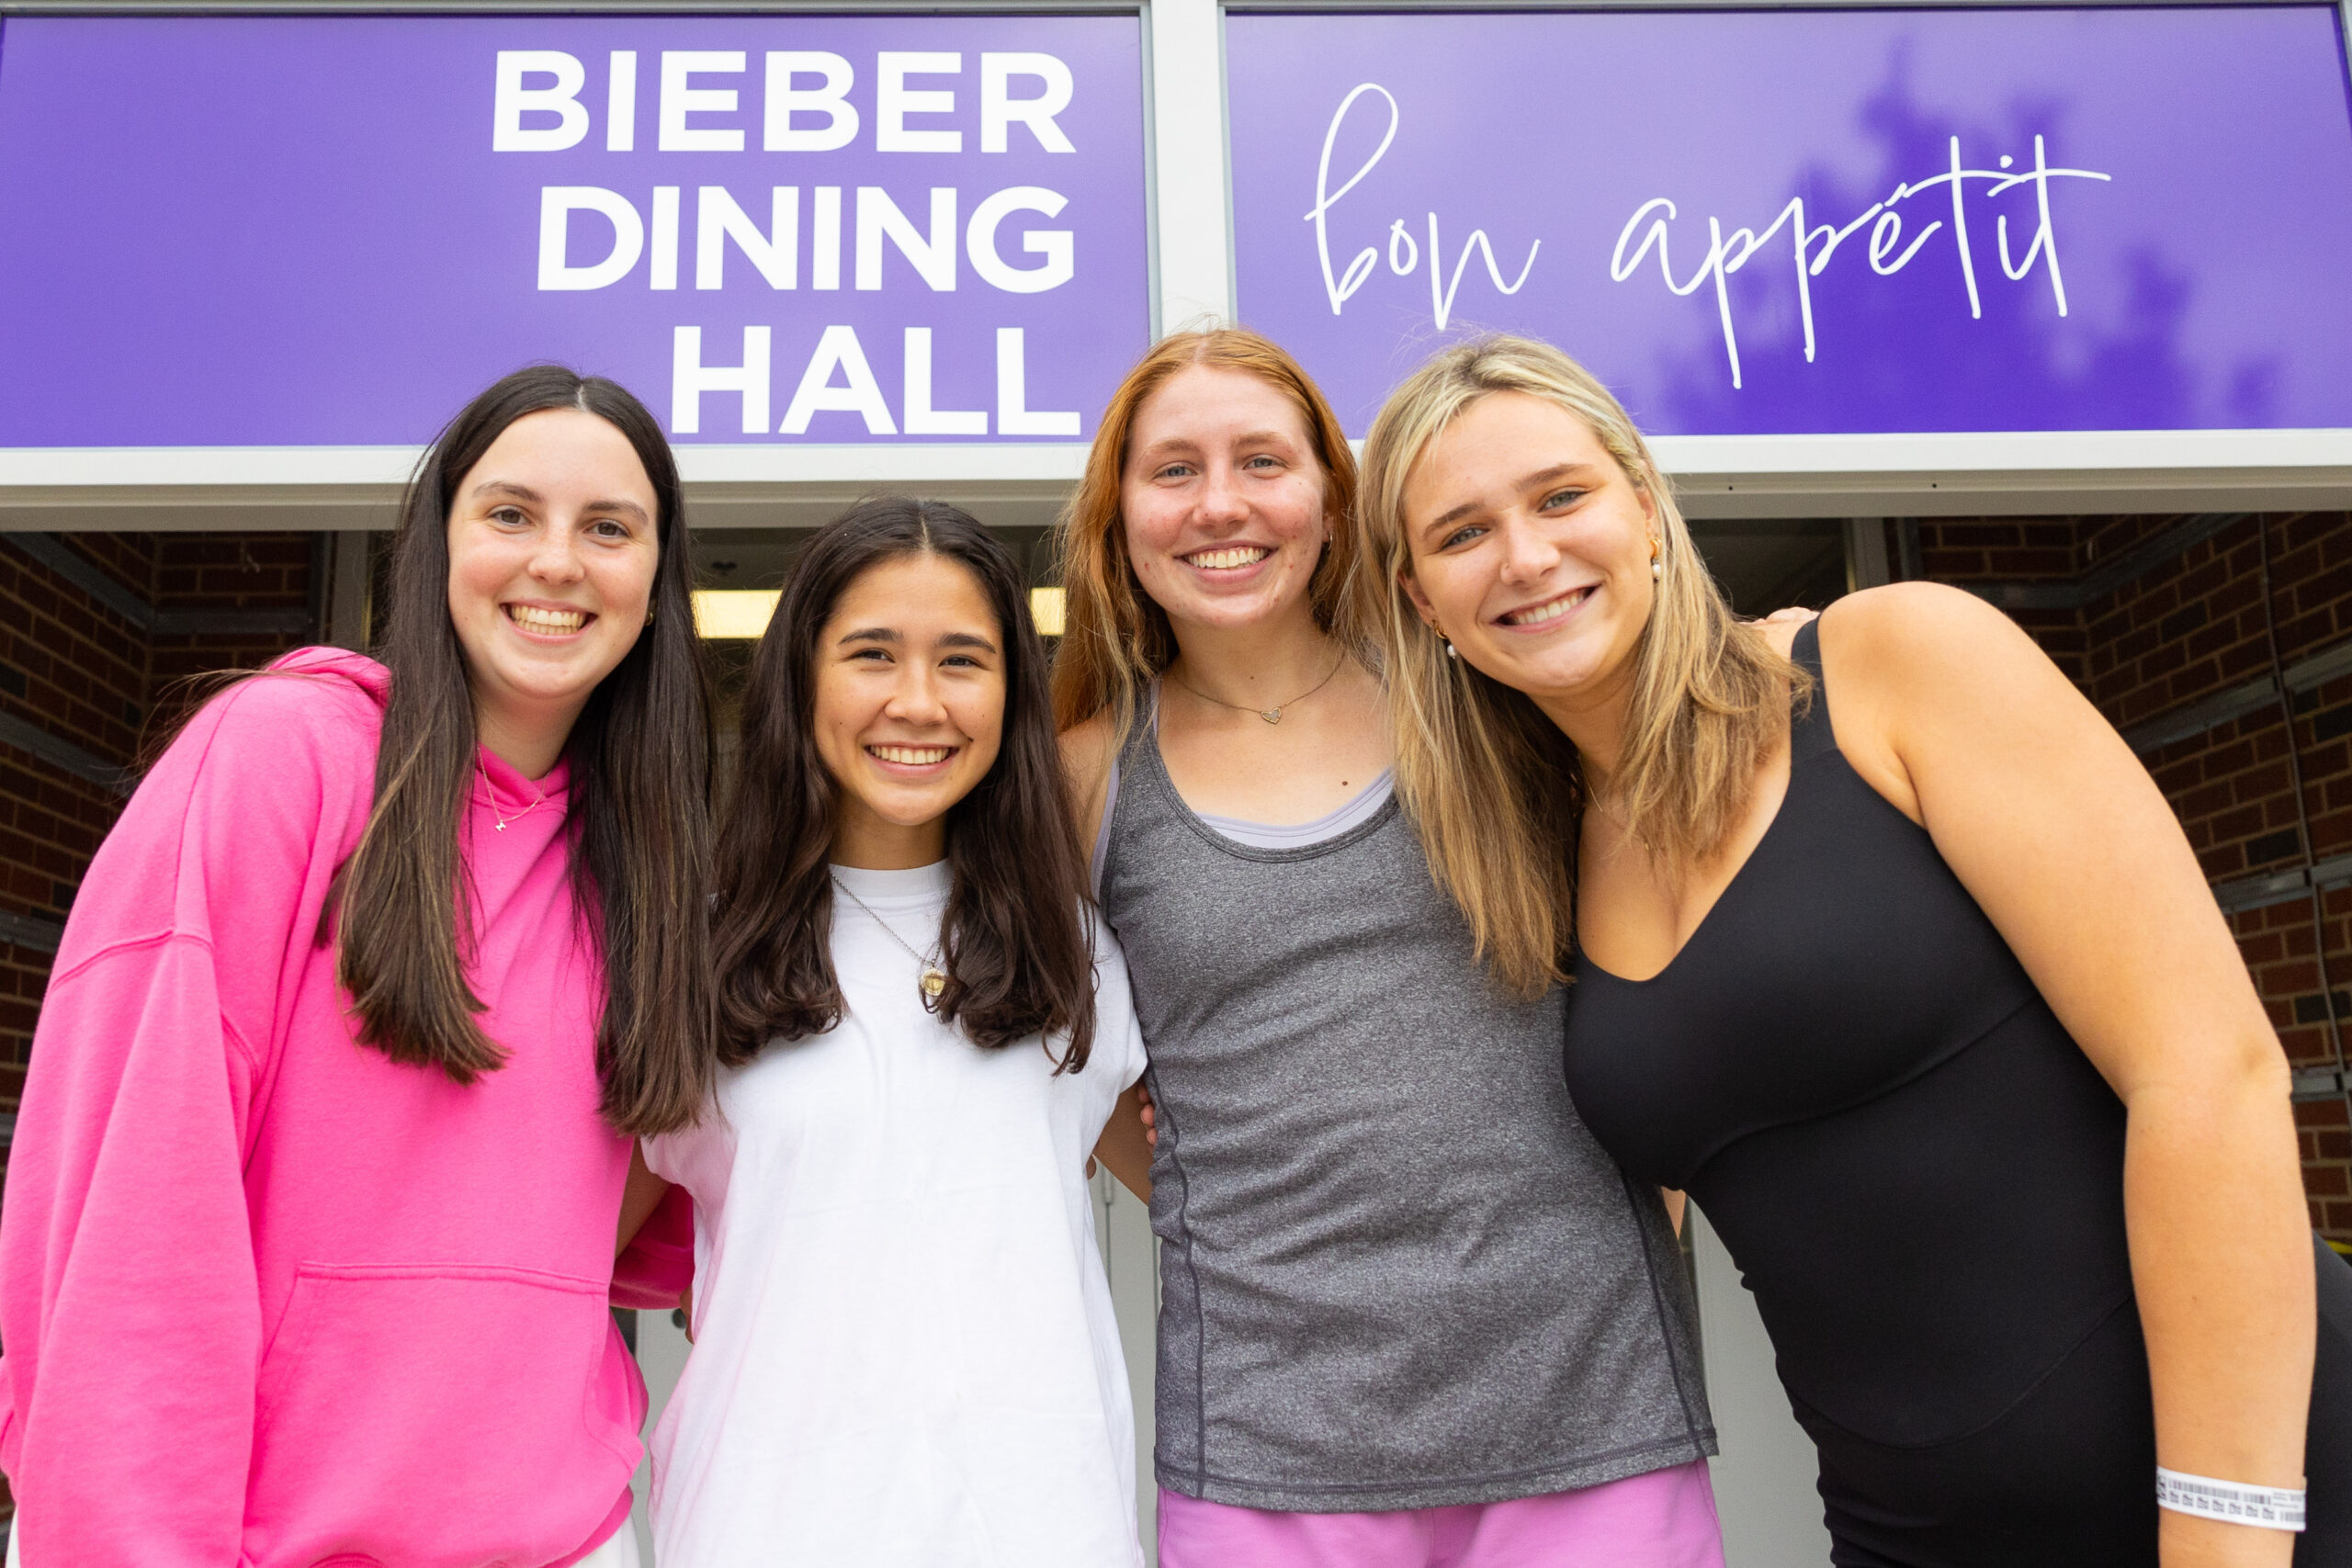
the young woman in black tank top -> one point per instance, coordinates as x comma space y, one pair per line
1892, 954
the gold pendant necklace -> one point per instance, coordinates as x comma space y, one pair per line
933, 980
1272, 715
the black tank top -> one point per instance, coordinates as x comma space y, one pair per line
1916, 1168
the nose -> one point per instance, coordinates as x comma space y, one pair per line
915, 695
555, 560
1222, 503
1528, 551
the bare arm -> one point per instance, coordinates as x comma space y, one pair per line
638, 1200
1952, 714
1125, 1144
1087, 755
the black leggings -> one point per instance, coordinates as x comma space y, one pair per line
2066, 1477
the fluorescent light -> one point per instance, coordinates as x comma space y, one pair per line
1046, 609
734, 613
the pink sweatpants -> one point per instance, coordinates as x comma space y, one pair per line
1663, 1519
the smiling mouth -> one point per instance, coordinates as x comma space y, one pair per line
1228, 556
912, 756
1547, 611
531, 618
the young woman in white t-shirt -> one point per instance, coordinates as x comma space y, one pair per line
904, 1350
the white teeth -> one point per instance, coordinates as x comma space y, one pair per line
1237, 555
915, 756
538, 620
1551, 612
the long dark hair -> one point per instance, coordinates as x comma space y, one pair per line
641, 755
1014, 940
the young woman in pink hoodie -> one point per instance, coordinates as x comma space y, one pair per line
309, 1238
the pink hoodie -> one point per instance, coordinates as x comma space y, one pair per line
268, 1298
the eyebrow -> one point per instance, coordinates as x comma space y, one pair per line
1540, 477
890, 635
618, 504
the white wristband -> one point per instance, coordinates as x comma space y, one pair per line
2264, 1508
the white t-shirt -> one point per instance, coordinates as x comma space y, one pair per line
904, 1351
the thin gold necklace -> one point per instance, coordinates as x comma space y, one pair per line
497, 822
1272, 715
934, 979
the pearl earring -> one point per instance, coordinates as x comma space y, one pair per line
1657, 567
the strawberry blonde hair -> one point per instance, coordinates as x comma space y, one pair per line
1115, 638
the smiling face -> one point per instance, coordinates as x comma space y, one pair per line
1222, 500
553, 543
908, 685
1531, 549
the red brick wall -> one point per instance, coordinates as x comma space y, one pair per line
81, 673
221, 571
2184, 630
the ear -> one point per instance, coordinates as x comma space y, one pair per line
1648, 498
1406, 580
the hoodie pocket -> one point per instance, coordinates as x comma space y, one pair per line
442, 1416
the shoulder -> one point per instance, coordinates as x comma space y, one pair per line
1911, 645
1920, 674
303, 703
298, 727
1907, 622
1088, 752
234, 831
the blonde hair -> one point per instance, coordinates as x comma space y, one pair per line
1496, 790
1115, 638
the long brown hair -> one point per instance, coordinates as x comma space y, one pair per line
1495, 788
1115, 638
640, 756
1014, 941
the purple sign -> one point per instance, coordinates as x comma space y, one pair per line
331, 231
1816, 221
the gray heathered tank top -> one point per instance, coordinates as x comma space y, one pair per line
1396, 1271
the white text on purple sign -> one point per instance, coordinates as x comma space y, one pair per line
1405, 253
539, 107
1812, 248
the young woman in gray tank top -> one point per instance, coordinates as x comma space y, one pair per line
1411, 1313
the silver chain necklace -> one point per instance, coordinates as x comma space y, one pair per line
934, 979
